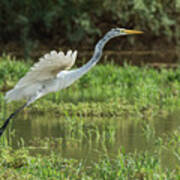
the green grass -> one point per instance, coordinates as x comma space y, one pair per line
20, 164
106, 91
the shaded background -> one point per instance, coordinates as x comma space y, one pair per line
31, 28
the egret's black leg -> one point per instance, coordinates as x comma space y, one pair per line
31, 100
10, 117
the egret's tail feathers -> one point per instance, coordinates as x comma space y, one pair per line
14, 95
25, 92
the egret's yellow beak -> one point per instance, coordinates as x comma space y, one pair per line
127, 31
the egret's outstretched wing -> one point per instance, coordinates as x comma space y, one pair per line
45, 70
48, 67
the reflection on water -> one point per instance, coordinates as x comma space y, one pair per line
89, 137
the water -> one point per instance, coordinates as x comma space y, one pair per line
88, 138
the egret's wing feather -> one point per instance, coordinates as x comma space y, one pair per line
48, 67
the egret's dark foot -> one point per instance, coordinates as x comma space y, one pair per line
2, 129
1, 132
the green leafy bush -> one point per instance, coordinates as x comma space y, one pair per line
29, 22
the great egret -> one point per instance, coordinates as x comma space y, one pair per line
51, 73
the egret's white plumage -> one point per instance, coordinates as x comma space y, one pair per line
50, 73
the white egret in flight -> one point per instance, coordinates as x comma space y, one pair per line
51, 73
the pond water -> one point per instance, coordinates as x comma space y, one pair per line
88, 138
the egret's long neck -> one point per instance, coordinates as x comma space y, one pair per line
95, 58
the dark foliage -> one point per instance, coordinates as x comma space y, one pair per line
67, 22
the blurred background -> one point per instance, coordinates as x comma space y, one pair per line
30, 28
124, 114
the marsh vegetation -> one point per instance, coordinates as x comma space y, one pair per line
113, 123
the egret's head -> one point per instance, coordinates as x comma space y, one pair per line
121, 32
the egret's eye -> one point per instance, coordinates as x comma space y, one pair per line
122, 31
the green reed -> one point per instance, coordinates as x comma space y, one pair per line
140, 86
20, 164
